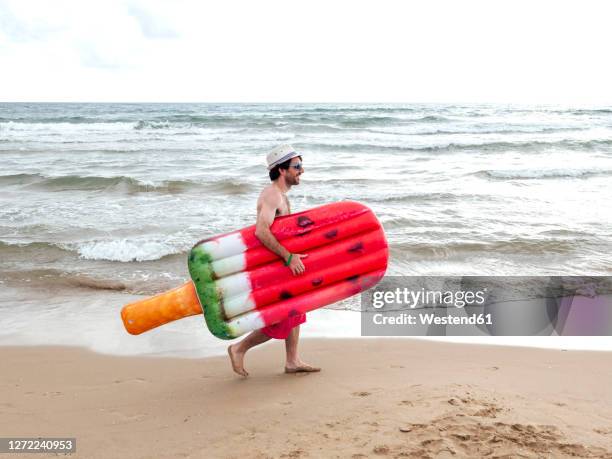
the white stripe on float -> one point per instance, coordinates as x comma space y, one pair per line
237, 305
246, 323
225, 246
234, 285
229, 265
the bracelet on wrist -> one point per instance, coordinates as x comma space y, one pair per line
289, 259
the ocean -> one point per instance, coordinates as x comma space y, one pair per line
101, 202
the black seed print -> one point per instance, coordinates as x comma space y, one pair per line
304, 221
331, 234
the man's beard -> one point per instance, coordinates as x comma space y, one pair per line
290, 181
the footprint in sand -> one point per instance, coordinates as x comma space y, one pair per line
381, 449
361, 394
489, 412
484, 409
52, 394
293, 454
452, 433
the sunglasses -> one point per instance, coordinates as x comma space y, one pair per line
297, 167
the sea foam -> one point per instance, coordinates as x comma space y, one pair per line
126, 250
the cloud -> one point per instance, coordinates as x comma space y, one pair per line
365, 51
19, 30
152, 26
91, 57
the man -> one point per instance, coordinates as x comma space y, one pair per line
285, 169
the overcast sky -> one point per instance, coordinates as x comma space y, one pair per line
310, 51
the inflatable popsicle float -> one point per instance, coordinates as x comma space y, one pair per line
242, 286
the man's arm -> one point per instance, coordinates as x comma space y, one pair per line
265, 218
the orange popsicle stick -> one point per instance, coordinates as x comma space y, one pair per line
143, 315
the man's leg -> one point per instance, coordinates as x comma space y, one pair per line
237, 351
294, 363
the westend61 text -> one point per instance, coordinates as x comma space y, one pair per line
431, 319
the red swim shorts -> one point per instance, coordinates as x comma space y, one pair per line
282, 329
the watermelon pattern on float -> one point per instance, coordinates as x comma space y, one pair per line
241, 286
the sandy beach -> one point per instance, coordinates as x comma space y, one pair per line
374, 398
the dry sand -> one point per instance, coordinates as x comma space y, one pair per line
374, 398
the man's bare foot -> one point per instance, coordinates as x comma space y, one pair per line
237, 360
301, 367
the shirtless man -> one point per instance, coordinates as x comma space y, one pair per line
285, 168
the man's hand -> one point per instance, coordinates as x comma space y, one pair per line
295, 265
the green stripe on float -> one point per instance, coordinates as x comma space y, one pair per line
203, 277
